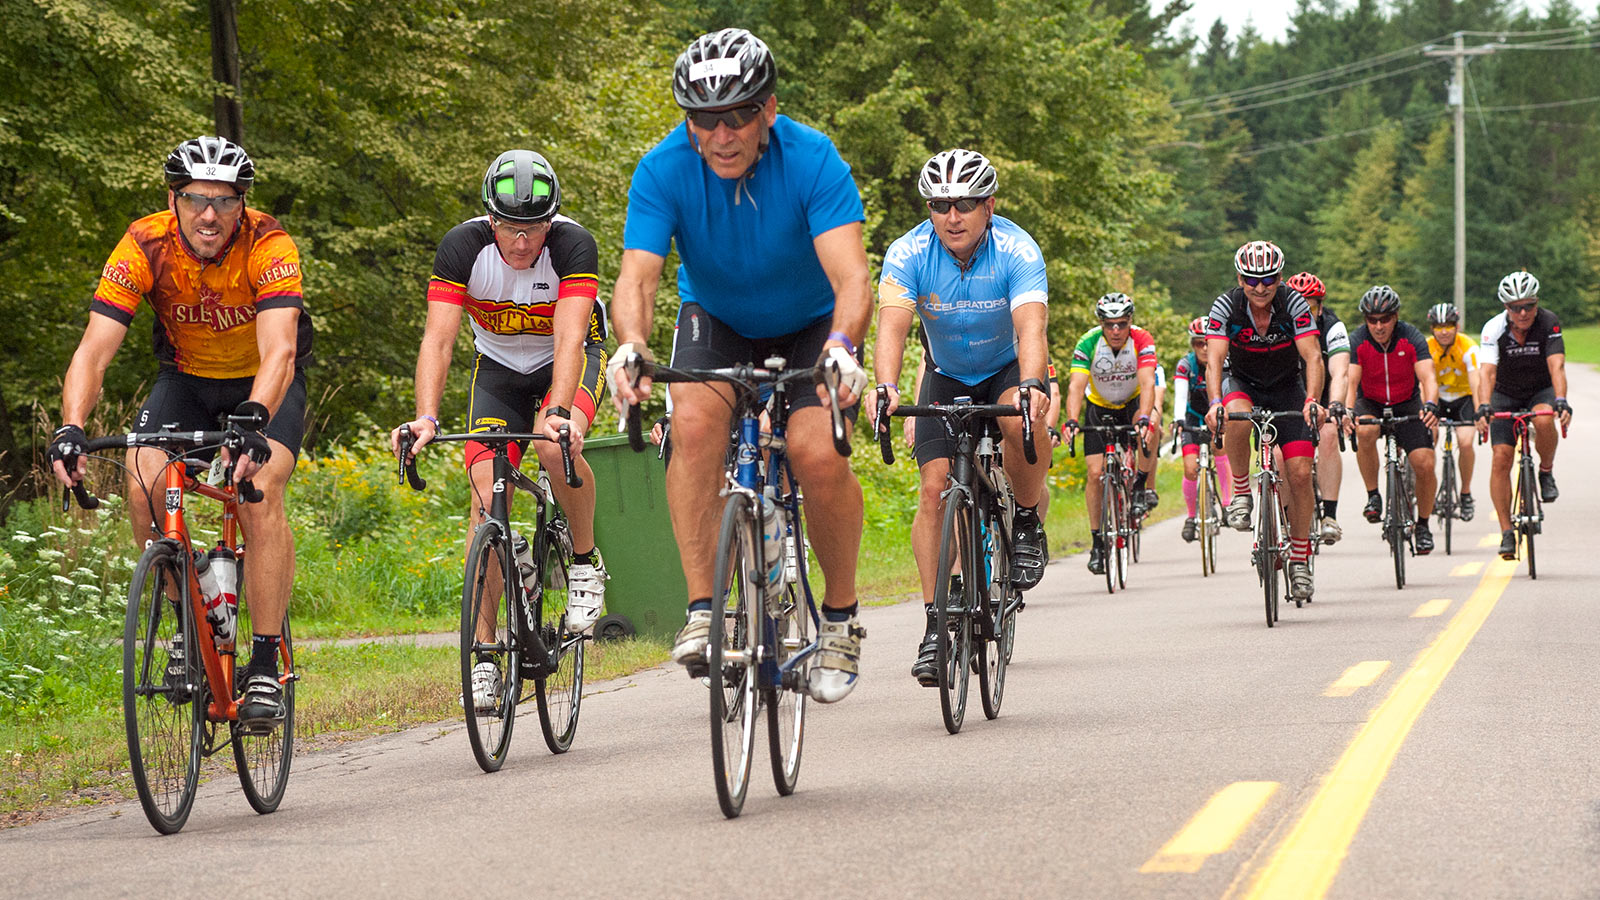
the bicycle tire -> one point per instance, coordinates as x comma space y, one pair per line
489, 731
164, 718
1267, 544
560, 691
955, 634
1445, 507
1211, 524
1395, 526
1123, 534
1529, 509
264, 760
786, 709
731, 660
991, 650
1108, 528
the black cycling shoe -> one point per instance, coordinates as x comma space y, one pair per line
1508, 544
261, 704
926, 668
1191, 530
1029, 553
1151, 498
1466, 508
1422, 540
1547, 487
1373, 511
1097, 560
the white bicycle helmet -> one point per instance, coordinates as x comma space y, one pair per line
1113, 306
1518, 286
1258, 259
208, 158
957, 174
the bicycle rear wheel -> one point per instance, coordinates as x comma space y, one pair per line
732, 654
559, 692
486, 604
1396, 529
990, 611
1445, 506
1267, 550
952, 614
786, 709
163, 689
263, 760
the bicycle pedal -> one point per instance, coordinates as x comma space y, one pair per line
698, 669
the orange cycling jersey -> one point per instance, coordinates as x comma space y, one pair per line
205, 308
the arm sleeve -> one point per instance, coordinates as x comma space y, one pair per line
1180, 387
1028, 281
275, 272
1300, 315
123, 282
1469, 356
1418, 343
1338, 339
1217, 319
1082, 352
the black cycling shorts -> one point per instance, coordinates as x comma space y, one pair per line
192, 403
1094, 442
1411, 435
702, 341
1500, 429
935, 438
1459, 410
505, 397
1294, 435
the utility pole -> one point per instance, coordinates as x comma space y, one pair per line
225, 108
1458, 89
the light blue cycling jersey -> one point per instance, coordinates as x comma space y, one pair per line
966, 311
746, 243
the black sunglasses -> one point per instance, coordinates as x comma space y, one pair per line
1267, 280
1379, 320
738, 117
964, 205
197, 203
1523, 307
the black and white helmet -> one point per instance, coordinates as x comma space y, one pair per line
1114, 305
724, 68
1518, 286
1443, 314
1380, 299
956, 174
207, 158
1258, 259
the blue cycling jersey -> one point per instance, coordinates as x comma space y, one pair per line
746, 243
966, 311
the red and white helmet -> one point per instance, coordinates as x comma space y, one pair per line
1258, 258
1197, 328
1307, 285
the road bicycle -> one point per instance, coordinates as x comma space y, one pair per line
1527, 509
514, 601
1447, 502
1269, 552
1399, 491
975, 605
179, 697
1208, 505
1119, 526
763, 622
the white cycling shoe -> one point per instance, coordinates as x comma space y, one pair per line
485, 687
586, 594
837, 664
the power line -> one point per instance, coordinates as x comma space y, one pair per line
1303, 80
1289, 145
1506, 34
1553, 105
1329, 89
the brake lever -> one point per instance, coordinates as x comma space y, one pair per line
830, 380
565, 442
407, 462
885, 439
1029, 452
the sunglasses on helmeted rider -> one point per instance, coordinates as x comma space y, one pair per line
1523, 307
738, 117
964, 205
1265, 280
1380, 320
197, 203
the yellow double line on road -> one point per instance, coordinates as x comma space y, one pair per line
1306, 863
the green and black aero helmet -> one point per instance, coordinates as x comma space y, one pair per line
521, 187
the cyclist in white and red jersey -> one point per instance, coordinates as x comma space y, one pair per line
1391, 367
1335, 343
1260, 339
1524, 366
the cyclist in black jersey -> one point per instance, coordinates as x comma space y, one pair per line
1523, 359
1260, 339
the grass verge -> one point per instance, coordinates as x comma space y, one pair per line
1583, 343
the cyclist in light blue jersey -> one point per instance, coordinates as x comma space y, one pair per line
976, 282
767, 221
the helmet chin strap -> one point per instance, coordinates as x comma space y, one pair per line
766, 138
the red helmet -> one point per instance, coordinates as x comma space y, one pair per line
1308, 285
1197, 328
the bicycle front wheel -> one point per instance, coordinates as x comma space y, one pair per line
1267, 557
1124, 534
732, 654
1396, 525
1205, 519
1528, 511
786, 709
991, 651
1447, 502
488, 640
163, 689
1108, 530
263, 760
952, 608
560, 691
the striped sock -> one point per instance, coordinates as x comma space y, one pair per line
1299, 549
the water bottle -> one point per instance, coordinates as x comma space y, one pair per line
791, 559
772, 539
219, 587
524, 555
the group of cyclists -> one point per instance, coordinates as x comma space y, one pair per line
767, 223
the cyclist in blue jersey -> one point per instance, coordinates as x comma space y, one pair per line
976, 282
767, 222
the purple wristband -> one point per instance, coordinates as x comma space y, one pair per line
841, 337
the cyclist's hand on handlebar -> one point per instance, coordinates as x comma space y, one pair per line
1038, 404
1430, 415
1055, 437
66, 454
631, 360
1563, 411
254, 453
910, 430
852, 378
422, 432
891, 393
555, 417
1214, 417
1313, 413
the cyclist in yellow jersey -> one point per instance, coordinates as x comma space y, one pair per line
1455, 363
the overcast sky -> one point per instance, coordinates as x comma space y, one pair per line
1270, 17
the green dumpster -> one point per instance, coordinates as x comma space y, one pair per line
646, 593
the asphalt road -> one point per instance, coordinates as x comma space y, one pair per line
1159, 742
